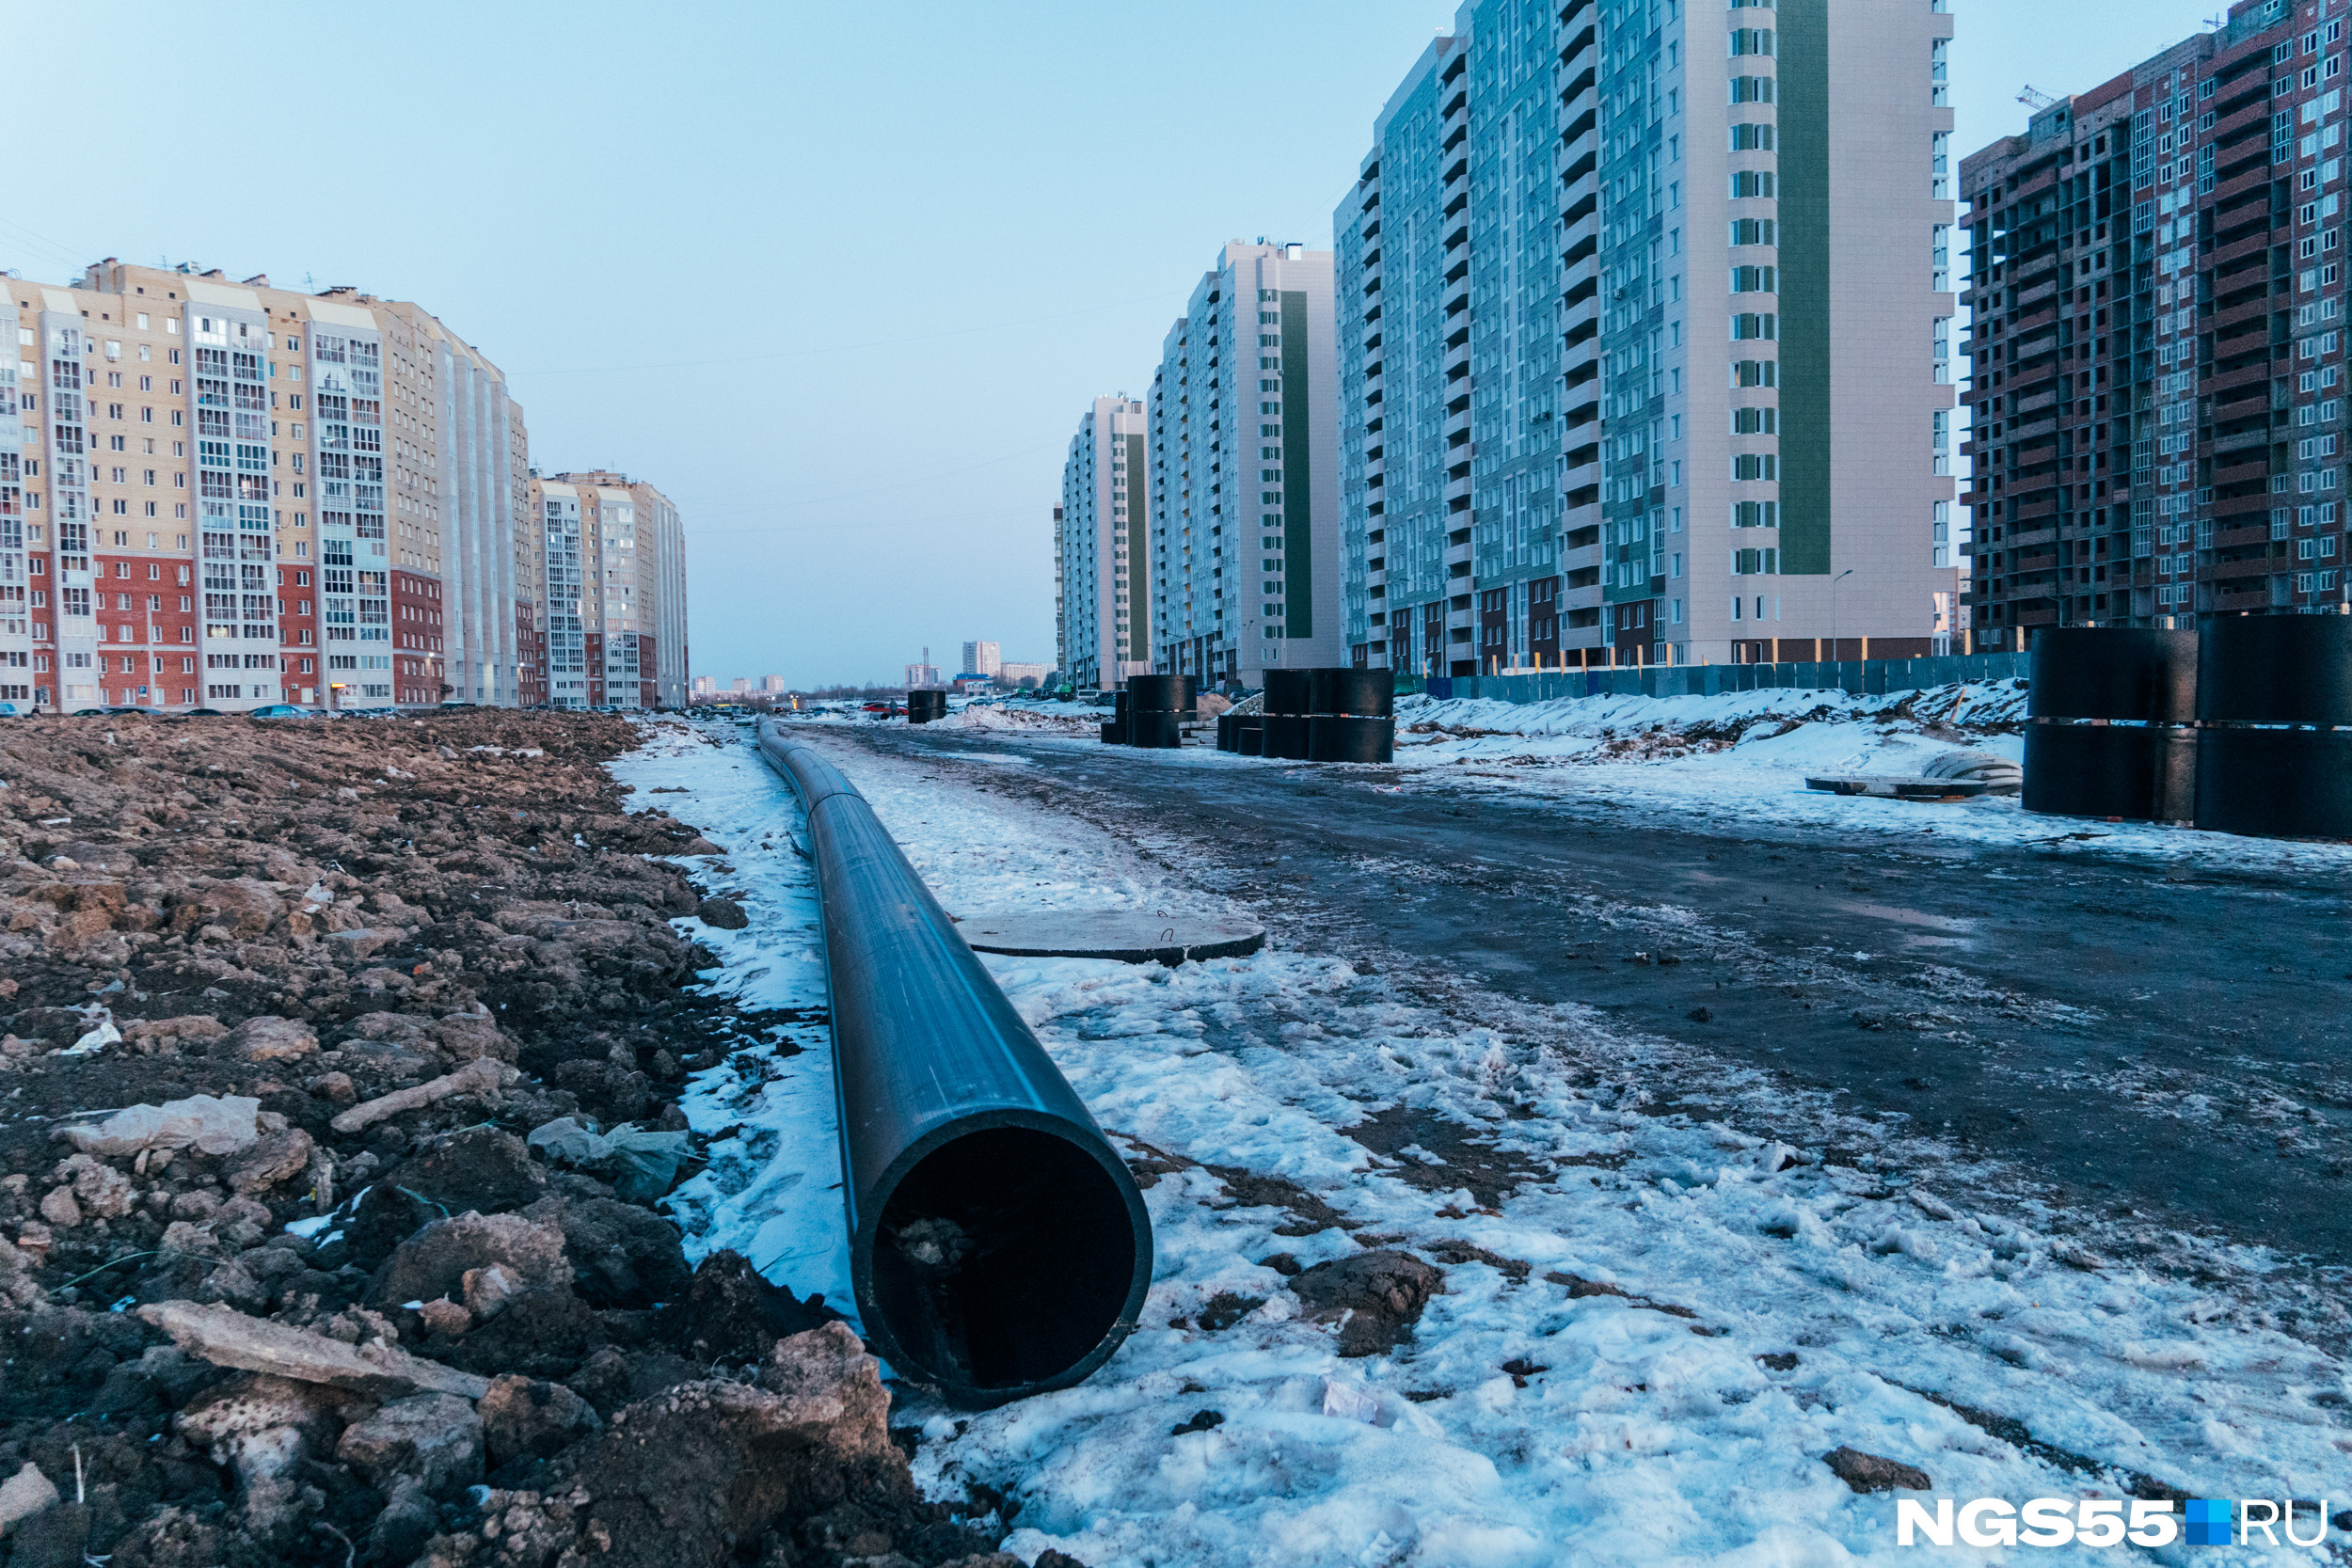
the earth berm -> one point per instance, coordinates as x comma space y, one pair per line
282, 1280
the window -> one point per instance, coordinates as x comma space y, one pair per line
1751, 89
1750, 280
1752, 183
1752, 137
1755, 232
1755, 421
1747, 327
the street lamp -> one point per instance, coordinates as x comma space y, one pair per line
1833, 611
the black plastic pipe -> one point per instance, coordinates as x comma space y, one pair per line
998, 1246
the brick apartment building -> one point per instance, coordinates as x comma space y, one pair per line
2158, 342
229, 494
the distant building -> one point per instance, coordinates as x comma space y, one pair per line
1244, 472
1015, 677
742, 683
2155, 336
615, 575
772, 683
225, 445
1102, 547
981, 658
705, 685
922, 674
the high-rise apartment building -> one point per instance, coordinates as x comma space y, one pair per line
226, 495
1102, 547
2158, 342
981, 658
613, 561
1244, 472
1645, 338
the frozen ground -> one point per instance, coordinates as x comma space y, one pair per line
1779, 1298
1738, 759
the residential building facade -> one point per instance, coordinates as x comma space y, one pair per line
2159, 339
1244, 464
613, 562
1600, 403
1101, 546
228, 494
981, 656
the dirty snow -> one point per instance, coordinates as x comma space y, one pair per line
1651, 1427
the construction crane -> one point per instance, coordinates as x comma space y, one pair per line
2035, 101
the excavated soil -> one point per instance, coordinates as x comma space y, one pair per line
339, 1328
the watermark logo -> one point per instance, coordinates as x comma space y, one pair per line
2109, 1522
2208, 1521
2042, 1522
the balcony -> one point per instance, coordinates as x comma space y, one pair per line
2255, 244
1581, 140
1581, 237
2231, 571
1581, 321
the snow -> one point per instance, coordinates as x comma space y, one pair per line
1743, 757
1654, 1431
772, 1188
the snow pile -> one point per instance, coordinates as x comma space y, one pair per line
1654, 1324
978, 716
1644, 729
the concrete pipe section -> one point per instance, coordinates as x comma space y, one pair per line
998, 1246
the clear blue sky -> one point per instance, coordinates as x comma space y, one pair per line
839, 280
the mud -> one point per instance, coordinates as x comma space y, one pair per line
385, 952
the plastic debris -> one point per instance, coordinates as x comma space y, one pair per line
643, 1163
223, 1126
101, 1033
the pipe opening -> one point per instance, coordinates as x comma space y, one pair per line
1002, 1258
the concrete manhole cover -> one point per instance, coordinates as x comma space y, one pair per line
1129, 936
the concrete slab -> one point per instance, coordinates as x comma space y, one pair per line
1900, 787
1128, 935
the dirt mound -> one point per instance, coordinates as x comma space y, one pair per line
301, 1284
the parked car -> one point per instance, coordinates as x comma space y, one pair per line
282, 710
206, 713
10, 710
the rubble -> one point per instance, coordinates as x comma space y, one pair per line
24, 1495
484, 1075
335, 972
228, 1338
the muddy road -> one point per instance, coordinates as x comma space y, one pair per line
2163, 1046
